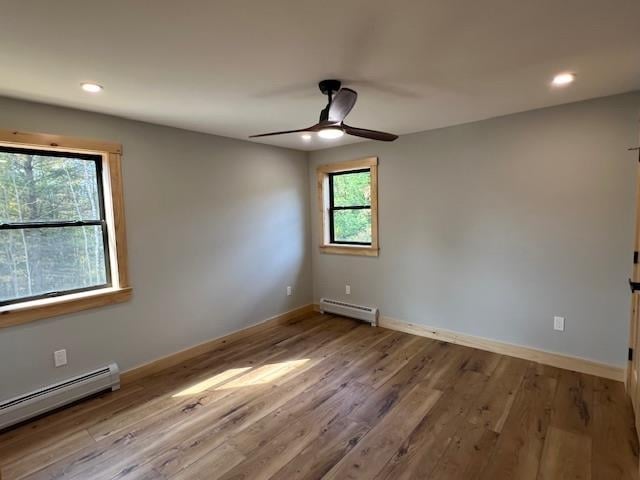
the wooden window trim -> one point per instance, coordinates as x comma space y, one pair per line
111, 153
322, 174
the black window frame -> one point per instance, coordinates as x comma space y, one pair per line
102, 222
333, 208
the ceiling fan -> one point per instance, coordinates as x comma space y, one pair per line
331, 124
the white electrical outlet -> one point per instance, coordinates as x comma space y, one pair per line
289, 291
60, 358
558, 323
347, 289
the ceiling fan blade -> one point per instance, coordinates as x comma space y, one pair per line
371, 134
342, 104
310, 129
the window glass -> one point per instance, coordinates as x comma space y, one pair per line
40, 188
352, 226
352, 189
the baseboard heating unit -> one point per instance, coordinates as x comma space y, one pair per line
368, 314
24, 407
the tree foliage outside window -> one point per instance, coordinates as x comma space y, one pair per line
52, 228
350, 206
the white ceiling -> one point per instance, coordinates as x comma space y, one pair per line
240, 67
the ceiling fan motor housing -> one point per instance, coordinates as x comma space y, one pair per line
328, 87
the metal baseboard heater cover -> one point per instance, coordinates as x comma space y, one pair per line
24, 407
368, 314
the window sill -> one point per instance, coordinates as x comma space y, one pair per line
19, 313
350, 250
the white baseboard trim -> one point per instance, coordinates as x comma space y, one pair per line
558, 360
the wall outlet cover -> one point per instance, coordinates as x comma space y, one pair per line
347, 289
558, 323
60, 358
289, 291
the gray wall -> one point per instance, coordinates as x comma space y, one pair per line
488, 228
217, 228
492, 228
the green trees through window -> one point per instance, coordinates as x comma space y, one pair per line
52, 224
350, 207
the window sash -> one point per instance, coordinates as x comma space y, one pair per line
62, 223
333, 208
55, 294
97, 159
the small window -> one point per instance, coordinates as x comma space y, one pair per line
62, 235
348, 206
53, 231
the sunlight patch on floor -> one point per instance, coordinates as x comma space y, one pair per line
247, 376
211, 382
264, 374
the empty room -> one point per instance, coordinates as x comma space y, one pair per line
289, 240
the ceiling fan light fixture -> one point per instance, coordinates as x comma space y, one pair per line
330, 133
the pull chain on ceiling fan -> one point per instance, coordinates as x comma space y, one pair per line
331, 124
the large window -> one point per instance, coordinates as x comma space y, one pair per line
62, 243
347, 196
53, 232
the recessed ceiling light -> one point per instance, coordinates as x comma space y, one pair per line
563, 79
306, 136
91, 87
331, 132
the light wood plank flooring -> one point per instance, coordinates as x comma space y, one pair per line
331, 398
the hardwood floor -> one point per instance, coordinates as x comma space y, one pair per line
332, 398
